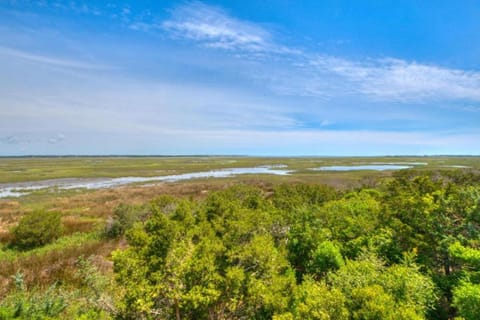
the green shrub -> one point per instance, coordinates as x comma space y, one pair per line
124, 216
326, 257
37, 229
466, 298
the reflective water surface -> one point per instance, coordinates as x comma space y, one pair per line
377, 167
23, 188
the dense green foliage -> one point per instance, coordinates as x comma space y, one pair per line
37, 229
407, 249
402, 251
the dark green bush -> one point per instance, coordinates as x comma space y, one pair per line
37, 229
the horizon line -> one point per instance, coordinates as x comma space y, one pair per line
227, 155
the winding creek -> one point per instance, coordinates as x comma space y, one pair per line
19, 189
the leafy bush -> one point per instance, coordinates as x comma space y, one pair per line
326, 258
314, 300
97, 290
37, 229
291, 196
376, 291
124, 216
466, 298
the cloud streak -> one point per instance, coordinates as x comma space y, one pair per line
49, 61
402, 81
215, 28
56, 138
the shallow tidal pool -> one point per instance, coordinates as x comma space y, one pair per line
376, 167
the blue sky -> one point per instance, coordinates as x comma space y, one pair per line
240, 77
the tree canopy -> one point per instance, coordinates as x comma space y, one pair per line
405, 250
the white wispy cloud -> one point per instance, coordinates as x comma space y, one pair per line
56, 138
215, 28
470, 108
49, 60
403, 81
11, 139
79, 7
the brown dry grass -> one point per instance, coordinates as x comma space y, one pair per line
73, 224
55, 266
100, 203
79, 210
9, 213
